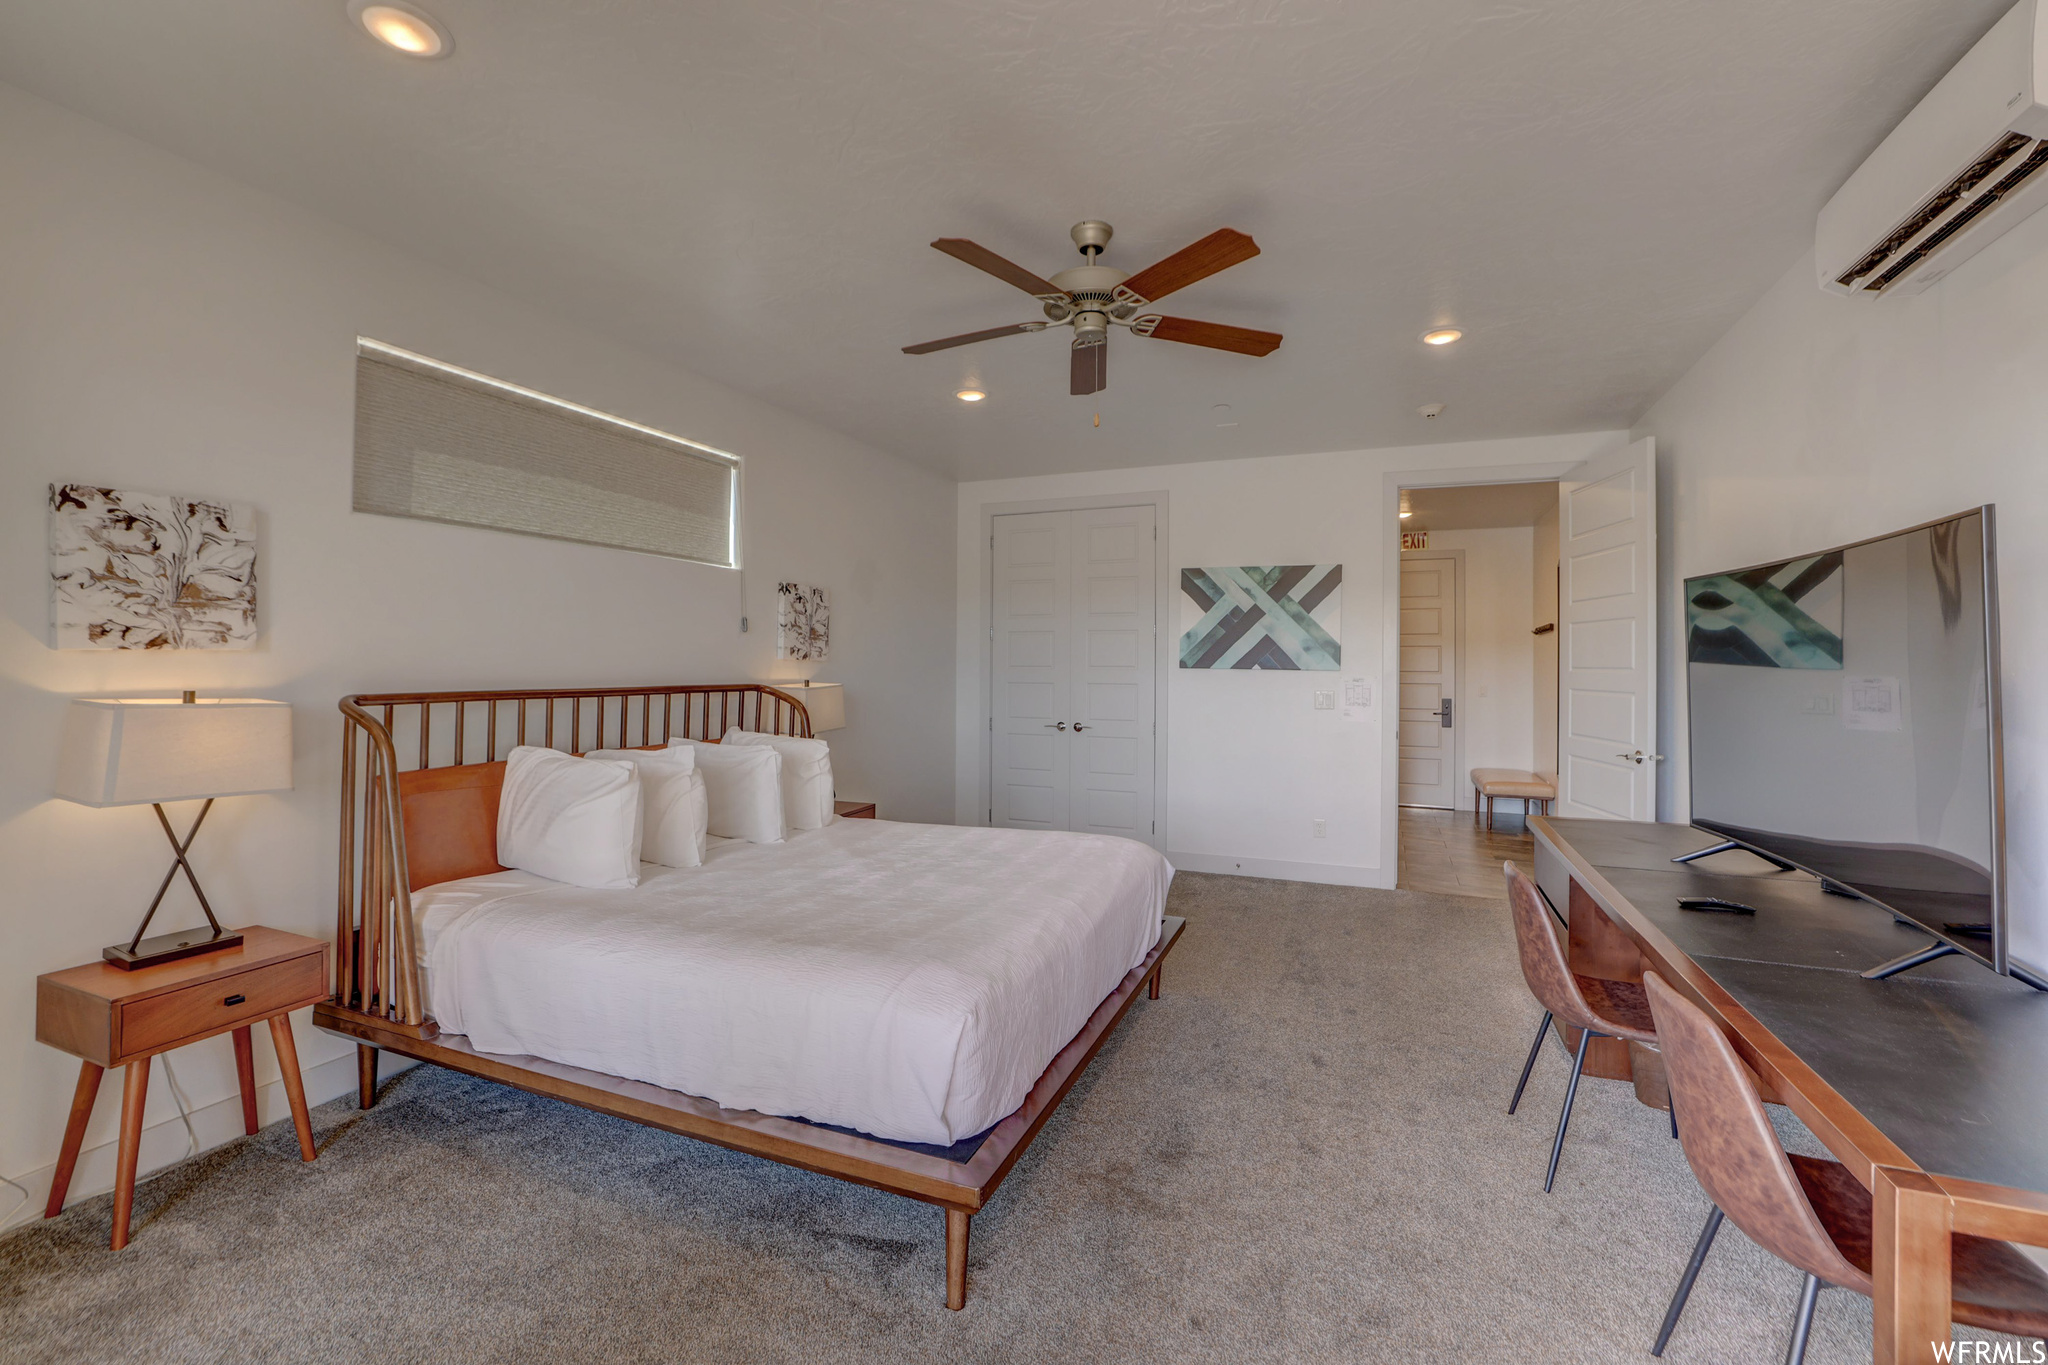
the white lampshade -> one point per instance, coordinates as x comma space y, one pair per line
826, 704
125, 753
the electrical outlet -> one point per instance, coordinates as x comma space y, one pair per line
1319, 828
1326, 701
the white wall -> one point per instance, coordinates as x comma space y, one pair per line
1250, 762
1496, 698
168, 329
1819, 420
1543, 656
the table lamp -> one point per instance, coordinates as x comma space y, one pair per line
128, 752
825, 703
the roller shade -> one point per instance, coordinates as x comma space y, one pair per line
438, 443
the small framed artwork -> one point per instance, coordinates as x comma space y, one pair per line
150, 570
803, 622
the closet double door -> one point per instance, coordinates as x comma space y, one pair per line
1076, 657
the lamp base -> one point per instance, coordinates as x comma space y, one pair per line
171, 947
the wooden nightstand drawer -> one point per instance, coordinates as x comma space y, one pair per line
208, 1007
854, 810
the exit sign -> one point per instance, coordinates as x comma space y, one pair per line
1415, 540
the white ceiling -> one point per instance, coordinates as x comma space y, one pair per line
1472, 507
1592, 189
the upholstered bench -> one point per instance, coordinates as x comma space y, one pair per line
1516, 783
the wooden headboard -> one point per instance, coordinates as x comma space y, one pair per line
445, 793
450, 822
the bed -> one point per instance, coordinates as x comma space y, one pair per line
898, 1005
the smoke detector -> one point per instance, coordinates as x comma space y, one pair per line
1431, 409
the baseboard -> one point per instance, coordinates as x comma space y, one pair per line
165, 1143
1329, 874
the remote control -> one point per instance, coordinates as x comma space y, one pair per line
1715, 903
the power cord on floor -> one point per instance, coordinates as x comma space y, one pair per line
26, 1199
184, 1109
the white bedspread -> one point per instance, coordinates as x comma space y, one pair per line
909, 981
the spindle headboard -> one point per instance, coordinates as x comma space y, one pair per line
445, 791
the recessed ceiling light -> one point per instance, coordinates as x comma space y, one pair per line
402, 27
970, 395
1442, 336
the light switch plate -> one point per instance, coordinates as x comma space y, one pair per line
1326, 701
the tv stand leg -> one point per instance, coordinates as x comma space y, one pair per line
1908, 962
2019, 973
1729, 846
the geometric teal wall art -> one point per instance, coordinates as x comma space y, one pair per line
1276, 616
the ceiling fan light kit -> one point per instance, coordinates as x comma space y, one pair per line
1094, 297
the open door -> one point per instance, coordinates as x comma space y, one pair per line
1607, 656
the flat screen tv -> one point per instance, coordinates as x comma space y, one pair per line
1844, 720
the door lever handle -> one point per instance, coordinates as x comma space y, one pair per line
1050, 726
1079, 727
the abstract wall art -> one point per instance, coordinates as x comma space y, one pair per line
150, 570
1285, 616
1779, 616
803, 622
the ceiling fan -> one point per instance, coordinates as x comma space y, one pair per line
1094, 297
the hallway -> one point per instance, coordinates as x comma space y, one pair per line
1445, 851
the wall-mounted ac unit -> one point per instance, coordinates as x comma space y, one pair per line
1966, 165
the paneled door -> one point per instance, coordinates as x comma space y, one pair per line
1075, 655
1607, 607
1429, 682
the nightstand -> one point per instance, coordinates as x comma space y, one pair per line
111, 1017
854, 810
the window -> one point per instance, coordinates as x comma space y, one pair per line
442, 444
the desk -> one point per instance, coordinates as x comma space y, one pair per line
1932, 1087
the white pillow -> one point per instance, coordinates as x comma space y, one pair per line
674, 809
744, 784
574, 820
806, 776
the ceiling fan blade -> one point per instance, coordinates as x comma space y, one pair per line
981, 258
1220, 250
969, 338
1089, 369
1243, 340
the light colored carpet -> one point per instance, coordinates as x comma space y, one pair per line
1299, 1153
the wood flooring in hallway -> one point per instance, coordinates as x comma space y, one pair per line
1447, 852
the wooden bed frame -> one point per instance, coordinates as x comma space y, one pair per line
446, 805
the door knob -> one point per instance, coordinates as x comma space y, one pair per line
1061, 726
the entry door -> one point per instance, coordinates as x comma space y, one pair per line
1607, 606
1076, 658
1429, 682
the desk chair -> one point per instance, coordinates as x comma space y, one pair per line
1810, 1213
1597, 1008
